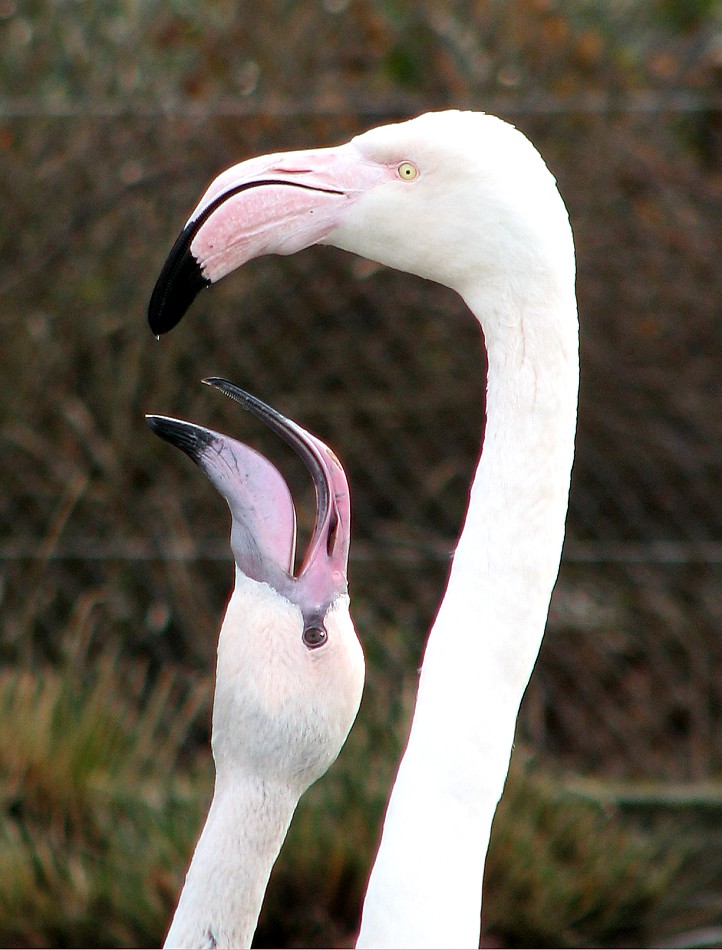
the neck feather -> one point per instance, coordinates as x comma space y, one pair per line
224, 888
486, 637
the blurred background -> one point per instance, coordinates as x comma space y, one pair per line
114, 562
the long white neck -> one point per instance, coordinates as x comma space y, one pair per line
227, 878
425, 887
251, 809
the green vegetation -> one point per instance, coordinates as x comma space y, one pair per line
100, 801
104, 791
565, 870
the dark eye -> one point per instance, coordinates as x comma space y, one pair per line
314, 636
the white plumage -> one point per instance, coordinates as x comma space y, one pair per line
463, 199
289, 673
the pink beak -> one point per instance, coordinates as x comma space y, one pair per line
263, 533
273, 204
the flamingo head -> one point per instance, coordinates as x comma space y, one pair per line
461, 198
290, 667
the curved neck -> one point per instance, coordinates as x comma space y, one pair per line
425, 887
226, 882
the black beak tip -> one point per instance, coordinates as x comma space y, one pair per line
170, 430
158, 424
179, 283
191, 439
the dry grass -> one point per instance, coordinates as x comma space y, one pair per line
99, 800
103, 789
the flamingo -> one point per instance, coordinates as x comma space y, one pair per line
464, 199
289, 675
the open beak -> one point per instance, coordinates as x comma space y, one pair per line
273, 204
263, 534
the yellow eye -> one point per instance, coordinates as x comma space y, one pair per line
407, 171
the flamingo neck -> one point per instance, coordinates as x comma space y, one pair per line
425, 887
226, 882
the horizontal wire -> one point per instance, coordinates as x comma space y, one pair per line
402, 552
641, 101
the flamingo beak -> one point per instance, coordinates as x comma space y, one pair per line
263, 534
273, 204
323, 572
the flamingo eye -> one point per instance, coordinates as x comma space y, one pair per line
407, 171
314, 636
